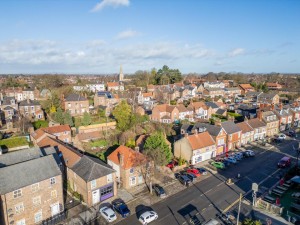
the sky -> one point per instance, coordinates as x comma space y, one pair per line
201, 36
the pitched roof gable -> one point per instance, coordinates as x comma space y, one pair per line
201, 140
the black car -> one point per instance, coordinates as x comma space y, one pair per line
160, 192
120, 207
189, 175
184, 180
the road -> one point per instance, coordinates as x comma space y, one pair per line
205, 199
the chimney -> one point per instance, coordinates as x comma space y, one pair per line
259, 114
121, 159
196, 131
272, 106
28, 100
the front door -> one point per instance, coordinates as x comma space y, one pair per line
55, 209
96, 196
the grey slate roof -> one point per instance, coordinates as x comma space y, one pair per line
187, 128
107, 94
213, 130
220, 111
230, 127
89, 168
8, 108
29, 103
6, 100
212, 105
75, 98
24, 155
27, 173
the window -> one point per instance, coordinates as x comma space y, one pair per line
93, 184
109, 178
106, 190
38, 216
69, 105
131, 170
36, 200
19, 208
17, 193
52, 181
221, 142
53, 194
35, 187
21, 222
132, 181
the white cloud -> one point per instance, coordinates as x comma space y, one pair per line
236, 52
127, 34
114, 3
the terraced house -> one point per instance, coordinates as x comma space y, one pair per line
31, 187
259, 127
233, 135
269, 117
31, 109
76, 104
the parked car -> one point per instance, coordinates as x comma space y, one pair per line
172, 164
120, 207
218, 165
184, 180
160, 192
202, 171
194, 171
148, 217
176, 175
291, 133
284, 162
238, 156
231, 160
250, 153
108, 214
191, 176
281, 136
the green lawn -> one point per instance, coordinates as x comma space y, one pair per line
14, 142
98, 143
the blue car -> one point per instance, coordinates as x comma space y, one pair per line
120, 207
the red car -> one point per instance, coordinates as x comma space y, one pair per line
194, 171
172, 164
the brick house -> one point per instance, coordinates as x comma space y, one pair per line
62, 132
115, 86
234, 134
274, 86
216, 132
93, 179
129, 165
31, 187
269, 98
165, 113
105, 98
232, 92
259, 127
195, 148
285, 116
213, 92
269, 117
185, 113
31, 109
245, 88
76, 104
201, 110
247, 133
145, 97
295, 108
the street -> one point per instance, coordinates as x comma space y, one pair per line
203, 200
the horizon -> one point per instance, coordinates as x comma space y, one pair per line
95, 37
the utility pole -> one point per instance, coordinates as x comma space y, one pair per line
238, 215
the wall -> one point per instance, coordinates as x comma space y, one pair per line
97, 127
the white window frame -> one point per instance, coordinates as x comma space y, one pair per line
17, 193
38, 217
93, 184
19, 208
21, 222
52, 181
36, 200
35, 187
131, 179
109, 178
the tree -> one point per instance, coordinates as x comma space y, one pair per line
157, 149
1, 136
122, 114
165, 75
86, 120
251, 222
59, 116
68, 119
52, 109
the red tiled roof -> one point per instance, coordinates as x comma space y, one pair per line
112, 84
201, 140
244, 127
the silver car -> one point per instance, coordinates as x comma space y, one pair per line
108, 214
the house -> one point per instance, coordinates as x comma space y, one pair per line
185, 113
285, 116
216, 132
22, 94
201, 110
216, 84
8, 101
31, 109
91, 178
195, 148
62, 132
213, 92
247, 133
105, 98
274, 86
247, 110
213, 105
270, 98
129, 164
269, 117
232, 92
31, 187
251, 96
165, 113
295, 108
115, 86
45, 93
259, 127
95, 87
76, 104
145, 97
234, 134
245, 88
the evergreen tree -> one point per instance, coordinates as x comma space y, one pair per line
68, 119
59, 116
86, 120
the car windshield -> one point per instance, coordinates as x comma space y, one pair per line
111, 216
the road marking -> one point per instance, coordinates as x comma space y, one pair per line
203, 209
208, 191
220, 184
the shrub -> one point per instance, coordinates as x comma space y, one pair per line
40, 123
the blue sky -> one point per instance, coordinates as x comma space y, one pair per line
97, 36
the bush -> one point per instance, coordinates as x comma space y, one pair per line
77, 195
40, 123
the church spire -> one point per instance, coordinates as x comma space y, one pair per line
121, 75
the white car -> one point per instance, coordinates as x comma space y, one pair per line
108, 214
148, 217
281, 136
250, 153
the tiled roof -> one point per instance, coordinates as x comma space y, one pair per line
57, 129
256, 123
112, 84
148, 94
211, 129
29, 102
246, 86
244, 127
212, 105
201, 140
230, 127
181, 108
75, 98
165, 108
131, 158
198, 105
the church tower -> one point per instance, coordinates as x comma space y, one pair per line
121, 75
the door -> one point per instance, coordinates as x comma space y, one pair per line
55, 209
96, 196
140, 179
